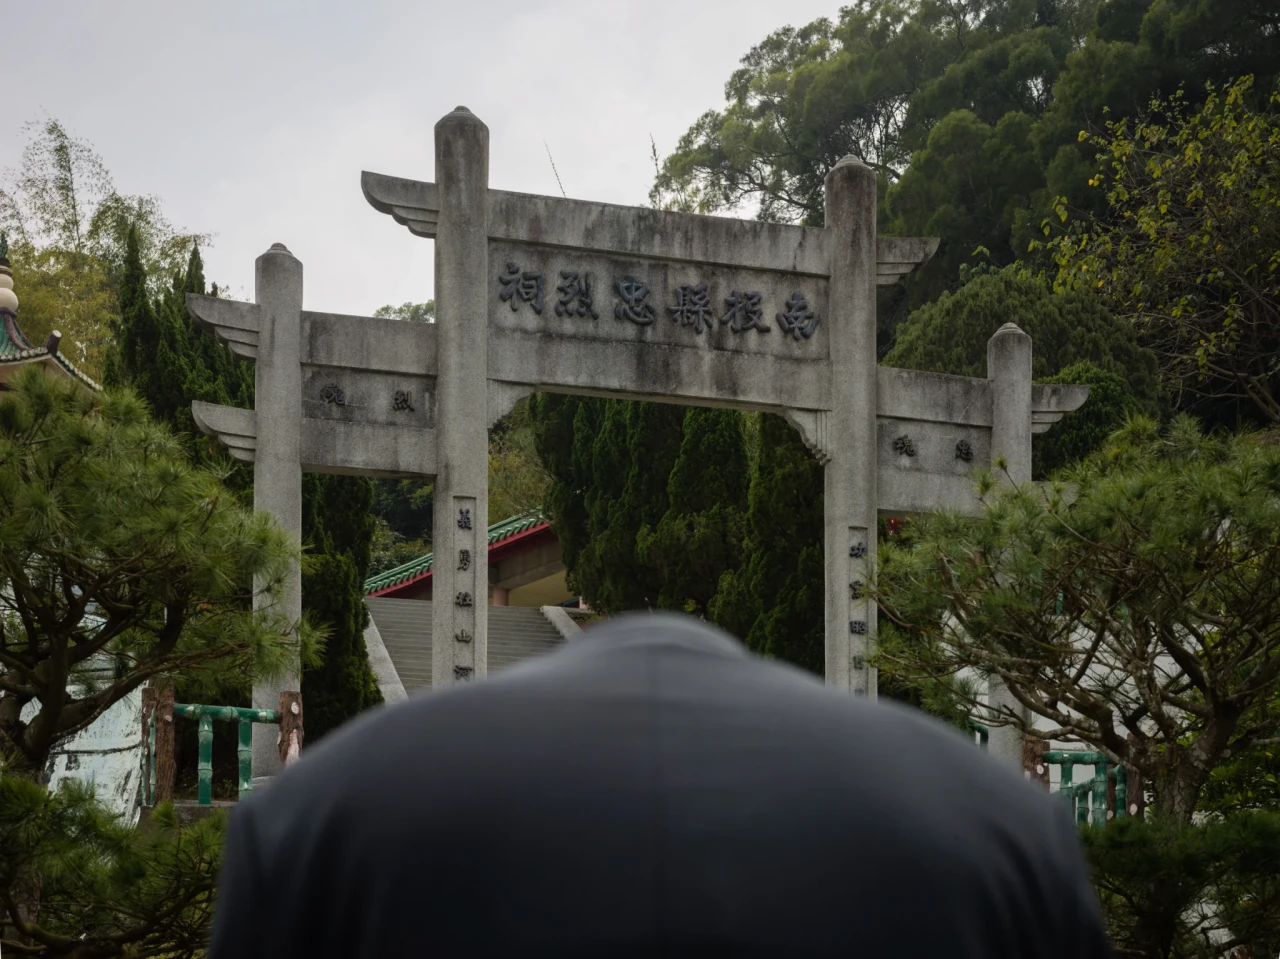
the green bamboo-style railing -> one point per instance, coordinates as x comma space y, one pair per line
1088, 797
206, 716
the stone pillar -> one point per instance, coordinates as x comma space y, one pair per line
459, 618
277, 464
499, 596
849, 477
1009, 373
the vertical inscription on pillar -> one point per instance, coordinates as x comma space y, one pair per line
859, 608
468, 591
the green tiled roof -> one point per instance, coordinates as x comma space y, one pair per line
416, 567
16, 348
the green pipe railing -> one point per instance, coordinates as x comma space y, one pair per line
1088, 798
981, 734
206, 716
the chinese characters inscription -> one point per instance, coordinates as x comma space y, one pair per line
797, 319
632, 306
693, 307
576, 297
521, 287
463, 599
334, 395
464, 559
744, 312
403, 401
464, 519
463, 672
964, 451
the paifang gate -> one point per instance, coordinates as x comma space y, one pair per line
544, 293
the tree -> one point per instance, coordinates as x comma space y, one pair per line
338, 527
950, 336
1139, 618
69, 230
1169, 889
1005, 84
160, 352
517, 480
609, 463
410, 312
1189, 250
1111, 404
774, 600
115, 549
699, 536
105, 889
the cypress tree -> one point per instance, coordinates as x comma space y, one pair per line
337, 524
699, 536
774, 601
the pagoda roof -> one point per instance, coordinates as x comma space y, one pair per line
501, 534
16, 349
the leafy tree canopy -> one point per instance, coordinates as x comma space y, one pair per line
969, 110
1067, 330
411, 312
1139, 618
119, 562
68, 228
1189, 249
105, 888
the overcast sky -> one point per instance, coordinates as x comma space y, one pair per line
252, 120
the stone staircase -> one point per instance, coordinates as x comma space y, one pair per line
516, 633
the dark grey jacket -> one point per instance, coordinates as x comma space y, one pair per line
652, 789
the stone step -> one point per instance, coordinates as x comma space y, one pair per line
516, 633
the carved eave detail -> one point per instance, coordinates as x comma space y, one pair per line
234, 428
411, 203
232, 322
896, 256
1050, 403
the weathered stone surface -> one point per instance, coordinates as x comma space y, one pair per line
544, 293
463, 278
277, 476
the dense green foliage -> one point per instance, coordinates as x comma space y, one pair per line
105, 889
699, 537
610, 463
1155, 879
1189, 252
119, 562
969, 111
950, 335
68, 227
1141, 617
161, 353
338, 526
774, 600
